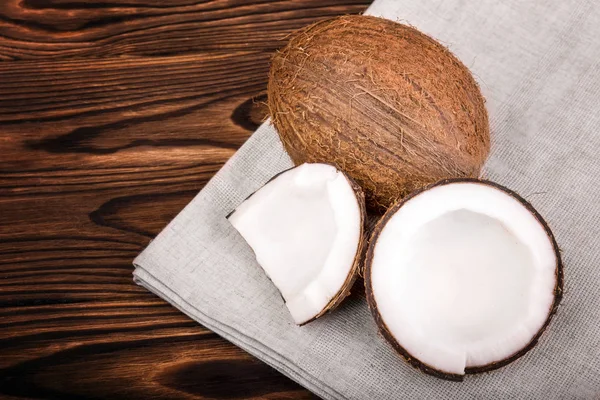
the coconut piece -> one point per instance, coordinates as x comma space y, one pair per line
306, 229
388, 105
462, 277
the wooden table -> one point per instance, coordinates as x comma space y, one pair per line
113, 115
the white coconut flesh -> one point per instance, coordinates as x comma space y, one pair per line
463, 275
304, 227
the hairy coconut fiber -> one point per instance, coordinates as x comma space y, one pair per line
388, 105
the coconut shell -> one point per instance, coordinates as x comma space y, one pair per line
388, 105
356, 269
389, 337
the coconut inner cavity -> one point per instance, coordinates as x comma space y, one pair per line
304, 227
463, 276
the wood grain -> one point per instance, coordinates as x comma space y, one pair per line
113, 115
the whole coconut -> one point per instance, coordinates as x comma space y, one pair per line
390, 106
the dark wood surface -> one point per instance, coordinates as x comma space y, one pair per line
113, 114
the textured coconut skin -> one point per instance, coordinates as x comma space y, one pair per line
388, 105
384, 330
355, 270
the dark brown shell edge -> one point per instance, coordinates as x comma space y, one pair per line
355, 270
384, 330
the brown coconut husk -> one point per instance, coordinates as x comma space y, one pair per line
386, 333
390, 106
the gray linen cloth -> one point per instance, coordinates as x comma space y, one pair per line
538, 64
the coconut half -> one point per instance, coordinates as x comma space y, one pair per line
462, 277
306, 228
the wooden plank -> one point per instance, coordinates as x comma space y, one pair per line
113, 115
